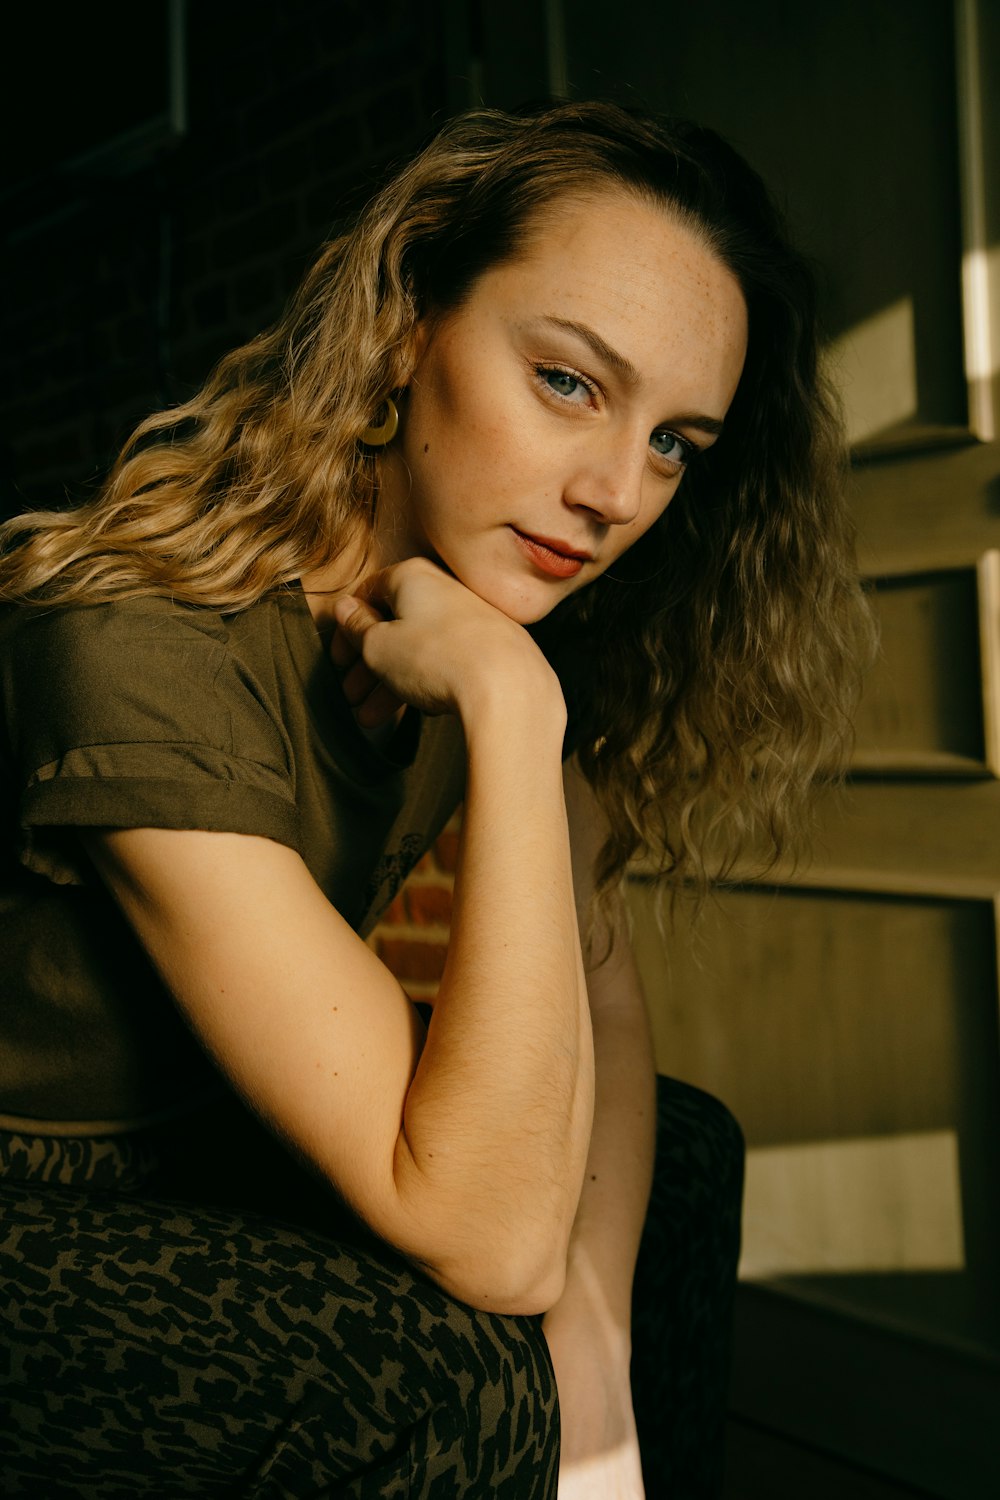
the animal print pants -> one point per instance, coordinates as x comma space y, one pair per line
156, 1349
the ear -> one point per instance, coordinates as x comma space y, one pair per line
411, 353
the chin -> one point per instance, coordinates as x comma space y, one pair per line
524, 604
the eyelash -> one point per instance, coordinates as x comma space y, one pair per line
689, 450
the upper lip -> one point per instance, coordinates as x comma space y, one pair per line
555, 545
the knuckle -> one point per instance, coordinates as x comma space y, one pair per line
373, 641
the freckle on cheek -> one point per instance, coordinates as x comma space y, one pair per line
427, 447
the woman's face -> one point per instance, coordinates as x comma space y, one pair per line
549, 419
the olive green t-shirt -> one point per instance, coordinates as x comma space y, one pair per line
146, 713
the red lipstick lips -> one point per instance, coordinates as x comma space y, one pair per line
557, 559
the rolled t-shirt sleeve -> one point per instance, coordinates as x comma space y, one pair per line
138, 714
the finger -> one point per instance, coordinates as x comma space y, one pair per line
358, 683
354, 617
379, 707
382, 589
343, 653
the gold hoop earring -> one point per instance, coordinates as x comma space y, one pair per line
379, 437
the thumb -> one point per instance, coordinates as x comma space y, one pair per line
355, 617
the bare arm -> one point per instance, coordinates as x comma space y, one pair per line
464, 1148
619, 1171
589, 1328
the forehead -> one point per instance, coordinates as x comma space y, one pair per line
612, 232
644, 278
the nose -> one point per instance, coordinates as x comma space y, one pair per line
606, 479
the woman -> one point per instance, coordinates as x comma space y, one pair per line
561, 375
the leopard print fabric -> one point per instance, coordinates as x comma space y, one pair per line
156, 1353
151, 1349
122, 1162
682, 1305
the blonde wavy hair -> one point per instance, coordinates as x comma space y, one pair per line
711, 677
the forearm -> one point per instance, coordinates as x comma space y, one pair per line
498, 1115
491, 1140
608, 1226
588, 1329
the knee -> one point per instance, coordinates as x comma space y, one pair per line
509, 1364
691, 1238
392, 1368
691, 1119
699, 1145
498, 1409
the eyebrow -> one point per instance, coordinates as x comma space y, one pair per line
624, 367
627, 370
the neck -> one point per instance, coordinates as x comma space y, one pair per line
343, 575
322, 587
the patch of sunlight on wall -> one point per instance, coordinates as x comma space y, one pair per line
981, 296
890, 1203
874, 367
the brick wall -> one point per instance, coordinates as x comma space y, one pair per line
412, 938
123, 291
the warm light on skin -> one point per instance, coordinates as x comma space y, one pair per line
650, 330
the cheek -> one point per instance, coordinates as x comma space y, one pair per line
656, 501
477, 449
455, 431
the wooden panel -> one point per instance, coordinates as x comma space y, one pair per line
761, 1463
820, 1209
942, 511
930, 839
923, 708
907, 838
978, 58
924, 1414
855, 1036
824, 1016
776, 84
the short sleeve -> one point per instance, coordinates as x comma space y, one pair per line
136, 714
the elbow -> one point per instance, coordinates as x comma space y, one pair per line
513, 1281
492, 1254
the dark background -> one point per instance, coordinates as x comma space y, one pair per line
127, 274
128, 270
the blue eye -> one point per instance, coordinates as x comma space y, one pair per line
676, 450
564, 384
569, 387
